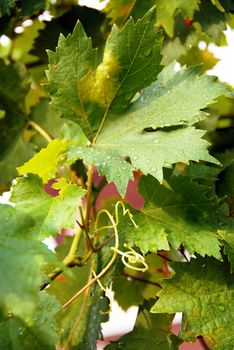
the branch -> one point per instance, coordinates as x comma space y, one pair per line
40, 130
139, 279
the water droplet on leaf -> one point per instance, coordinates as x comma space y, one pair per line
147, 51
128, 96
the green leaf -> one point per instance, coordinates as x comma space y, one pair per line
23, 42
119, 11
17, 153
212, 21
45, 163
150, 331
45, 116
178, 212
14, 148
29, 7
226, 234
203, 291
145, 129
21, 262
50, 214
80, 322
83, 91
166, 11
104, 160
15, 334
133, 287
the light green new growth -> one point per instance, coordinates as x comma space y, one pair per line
51, 214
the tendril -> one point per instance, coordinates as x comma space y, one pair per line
132, 256
107, 292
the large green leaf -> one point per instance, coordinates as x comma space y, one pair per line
21, 262
204, 291
145, 134
177, 212
50, 214
83, 91
15, 334
150, 332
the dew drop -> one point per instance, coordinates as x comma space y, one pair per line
156, 141
154, 169
128, 96
135, 157
148, 161
147, 51
221, 308
21, 331
196, 119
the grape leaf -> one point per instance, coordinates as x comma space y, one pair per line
203, 291
84, 94
18, 152
45, 116
119, 11
166, 11
212, 21
15, 334
120, 174
226, 234
158, 108
80, 322
23, 259
45, 163
29, 7
149, 332
13, 90
177, 211
50, 214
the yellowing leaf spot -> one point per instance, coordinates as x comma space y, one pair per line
101, 86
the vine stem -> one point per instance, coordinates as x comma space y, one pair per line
106, 268
71, 256
139, 279
89, 196
70, 260
40, 130
81, 313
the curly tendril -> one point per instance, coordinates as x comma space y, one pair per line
131, 256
